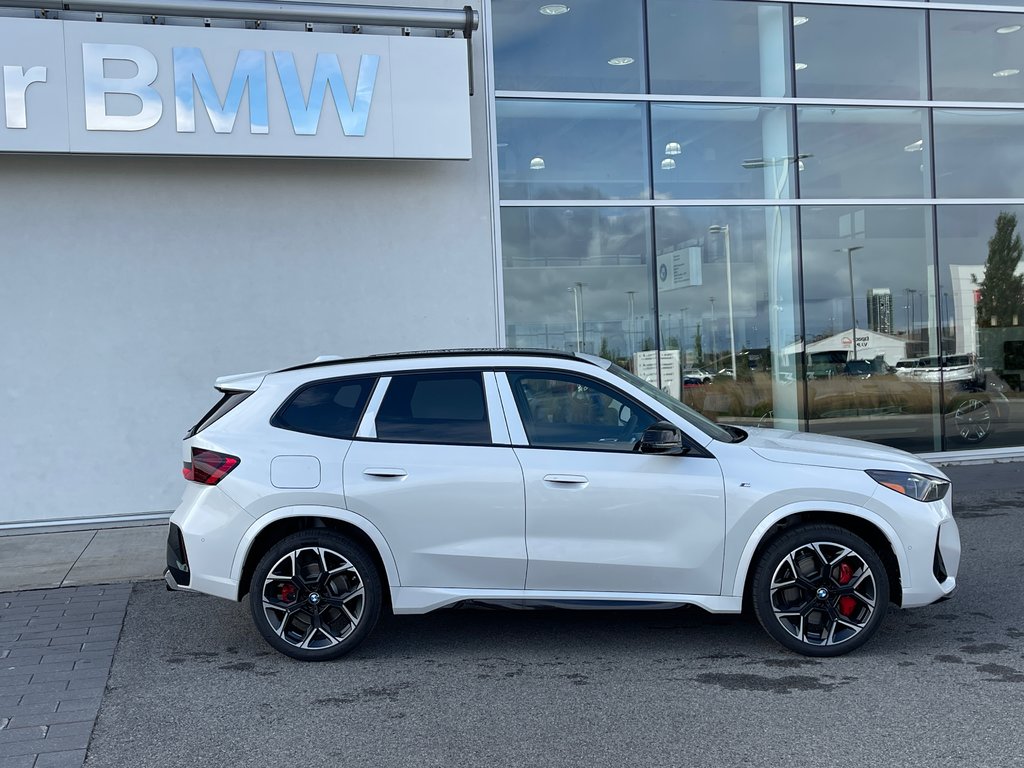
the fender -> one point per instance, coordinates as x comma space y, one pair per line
816, 506
311, 510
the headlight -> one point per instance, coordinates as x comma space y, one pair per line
920, 487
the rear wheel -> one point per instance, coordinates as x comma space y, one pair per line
315, 595
820, 590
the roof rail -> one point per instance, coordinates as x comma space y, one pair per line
325, 360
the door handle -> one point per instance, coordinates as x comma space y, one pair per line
385, 472
566, 479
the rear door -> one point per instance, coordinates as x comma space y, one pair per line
432, 468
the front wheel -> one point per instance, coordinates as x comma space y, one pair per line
820, 590
315, 595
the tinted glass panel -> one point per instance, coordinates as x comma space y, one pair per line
718, 48
722, 151
728, 312
434, 408
595, 46
862, 152
328, 408
870, 269
978, 153
981, 314
578, 149
859, 53
977, 56
564, 411
578, 279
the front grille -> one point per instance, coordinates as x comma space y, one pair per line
177, 557
938, 566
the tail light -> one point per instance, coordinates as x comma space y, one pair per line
209, 467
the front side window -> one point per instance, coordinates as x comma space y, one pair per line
435, 408
326, 408
565, 411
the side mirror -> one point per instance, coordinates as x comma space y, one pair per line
662, 438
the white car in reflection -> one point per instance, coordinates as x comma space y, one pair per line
333, 491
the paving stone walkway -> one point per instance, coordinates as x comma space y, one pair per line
56, 646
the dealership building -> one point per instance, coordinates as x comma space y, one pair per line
816, 205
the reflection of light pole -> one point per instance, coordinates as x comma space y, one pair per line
577, 300
682, 331
853, 301
714, 336
912, 299
630, 295
724, 229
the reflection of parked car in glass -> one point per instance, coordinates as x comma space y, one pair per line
705, 377
963, 369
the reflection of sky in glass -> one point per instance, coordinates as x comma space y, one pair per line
968, 48
862, 152
979, 153
722, 151
590, 149
735, 49
860, 53
570, 51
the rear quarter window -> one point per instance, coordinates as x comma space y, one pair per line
326, 408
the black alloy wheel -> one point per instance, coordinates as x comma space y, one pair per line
820, 590
315, 595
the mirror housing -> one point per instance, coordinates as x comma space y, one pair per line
662, 438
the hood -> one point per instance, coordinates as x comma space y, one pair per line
813, 450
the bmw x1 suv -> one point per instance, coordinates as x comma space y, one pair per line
332, 491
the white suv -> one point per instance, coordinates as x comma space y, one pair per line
337, 489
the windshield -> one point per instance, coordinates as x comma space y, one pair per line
702, 423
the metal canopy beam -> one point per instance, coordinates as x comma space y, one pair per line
466, 19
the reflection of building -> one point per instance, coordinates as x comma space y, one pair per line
880, 310
870, 346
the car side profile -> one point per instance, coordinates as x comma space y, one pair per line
332, 491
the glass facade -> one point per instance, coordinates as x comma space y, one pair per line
793, 215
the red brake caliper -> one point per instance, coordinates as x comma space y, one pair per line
287, 593
847, 604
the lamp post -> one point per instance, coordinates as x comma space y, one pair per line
912, 300
630, 296
724, 229
853, 301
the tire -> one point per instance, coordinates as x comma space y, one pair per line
820, 590
315, 595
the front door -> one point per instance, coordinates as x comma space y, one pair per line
600, 516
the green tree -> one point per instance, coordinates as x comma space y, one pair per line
698, 348
1001, 290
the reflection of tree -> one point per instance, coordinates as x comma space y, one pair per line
1001, 291
698, 347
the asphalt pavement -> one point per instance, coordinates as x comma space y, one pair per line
193, 684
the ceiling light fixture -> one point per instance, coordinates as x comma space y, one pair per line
917, 146
621, 61
537, 164
554, 9
673, 148
798, 20
799, 65
1006, 73
668, 164
1008, 29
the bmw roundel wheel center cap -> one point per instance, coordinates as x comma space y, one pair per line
822, 594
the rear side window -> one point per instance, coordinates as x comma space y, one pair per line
326, 408
225, 404
435, 408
